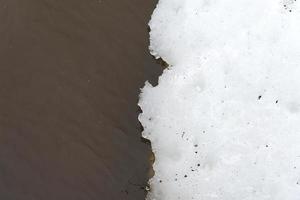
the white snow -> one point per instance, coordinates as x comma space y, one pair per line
224, 120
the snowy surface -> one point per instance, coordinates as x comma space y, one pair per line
224, 121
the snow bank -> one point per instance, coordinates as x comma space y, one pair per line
224, 121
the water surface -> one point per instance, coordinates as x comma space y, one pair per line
70, 73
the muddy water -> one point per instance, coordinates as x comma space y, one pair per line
70, 73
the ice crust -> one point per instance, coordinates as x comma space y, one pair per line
224, 120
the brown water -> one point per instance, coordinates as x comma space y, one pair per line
70, 73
